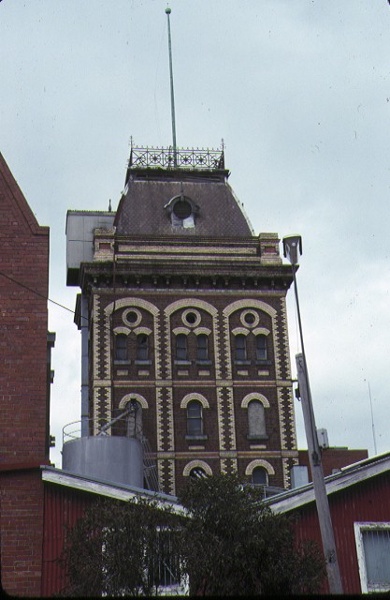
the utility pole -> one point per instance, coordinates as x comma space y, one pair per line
317, 473
292, 245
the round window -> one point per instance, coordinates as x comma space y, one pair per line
132, 317
249, 318
182, 209
191, 318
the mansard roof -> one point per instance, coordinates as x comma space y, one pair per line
196, 179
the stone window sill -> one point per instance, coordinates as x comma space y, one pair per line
196, 438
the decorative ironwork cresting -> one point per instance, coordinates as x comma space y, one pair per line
183, 158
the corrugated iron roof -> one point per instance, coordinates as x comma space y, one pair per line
346, 477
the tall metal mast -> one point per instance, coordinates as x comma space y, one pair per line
168, 12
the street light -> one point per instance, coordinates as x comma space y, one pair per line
292, 249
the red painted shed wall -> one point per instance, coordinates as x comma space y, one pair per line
62, 508
364, 501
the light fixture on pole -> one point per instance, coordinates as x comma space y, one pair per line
292, 249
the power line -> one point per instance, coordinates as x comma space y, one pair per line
26, 287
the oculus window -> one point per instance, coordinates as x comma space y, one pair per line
182, 211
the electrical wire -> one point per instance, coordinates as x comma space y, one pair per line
26, 287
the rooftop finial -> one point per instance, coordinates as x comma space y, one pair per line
168, 12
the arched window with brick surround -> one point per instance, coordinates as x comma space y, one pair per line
202, 347
259, 476
120, 347
142, 348
181, 347
256, 420
240, 351
194, 418
261, 347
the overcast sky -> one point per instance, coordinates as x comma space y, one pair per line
300, 92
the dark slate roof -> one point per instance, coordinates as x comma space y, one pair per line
141, 209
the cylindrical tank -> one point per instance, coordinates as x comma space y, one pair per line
112, 458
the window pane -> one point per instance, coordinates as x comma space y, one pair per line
134, 420
202, 347
261, 347
194, 418
181, 347
164, 564
240, 347
121, 347
198, 473
256, 418
142, 347
377, 555
259, 476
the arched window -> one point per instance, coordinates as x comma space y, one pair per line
142, 347
194, 418
181, 347
134, 420
198, 473
240, 347
256, 420
202, 348
120, 347
259, 476
261, 347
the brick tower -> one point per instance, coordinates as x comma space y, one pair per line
183, 313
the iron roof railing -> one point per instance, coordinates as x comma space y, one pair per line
181, 158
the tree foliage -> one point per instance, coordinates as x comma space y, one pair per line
117, 549
233, 544
229, 544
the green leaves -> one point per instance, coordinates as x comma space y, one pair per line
229, 544
234, 545
120, 549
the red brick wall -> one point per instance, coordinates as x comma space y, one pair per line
187, 380
21, 532
334, 459
23, 386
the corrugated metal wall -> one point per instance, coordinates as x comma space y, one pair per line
62, 508
365, 501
